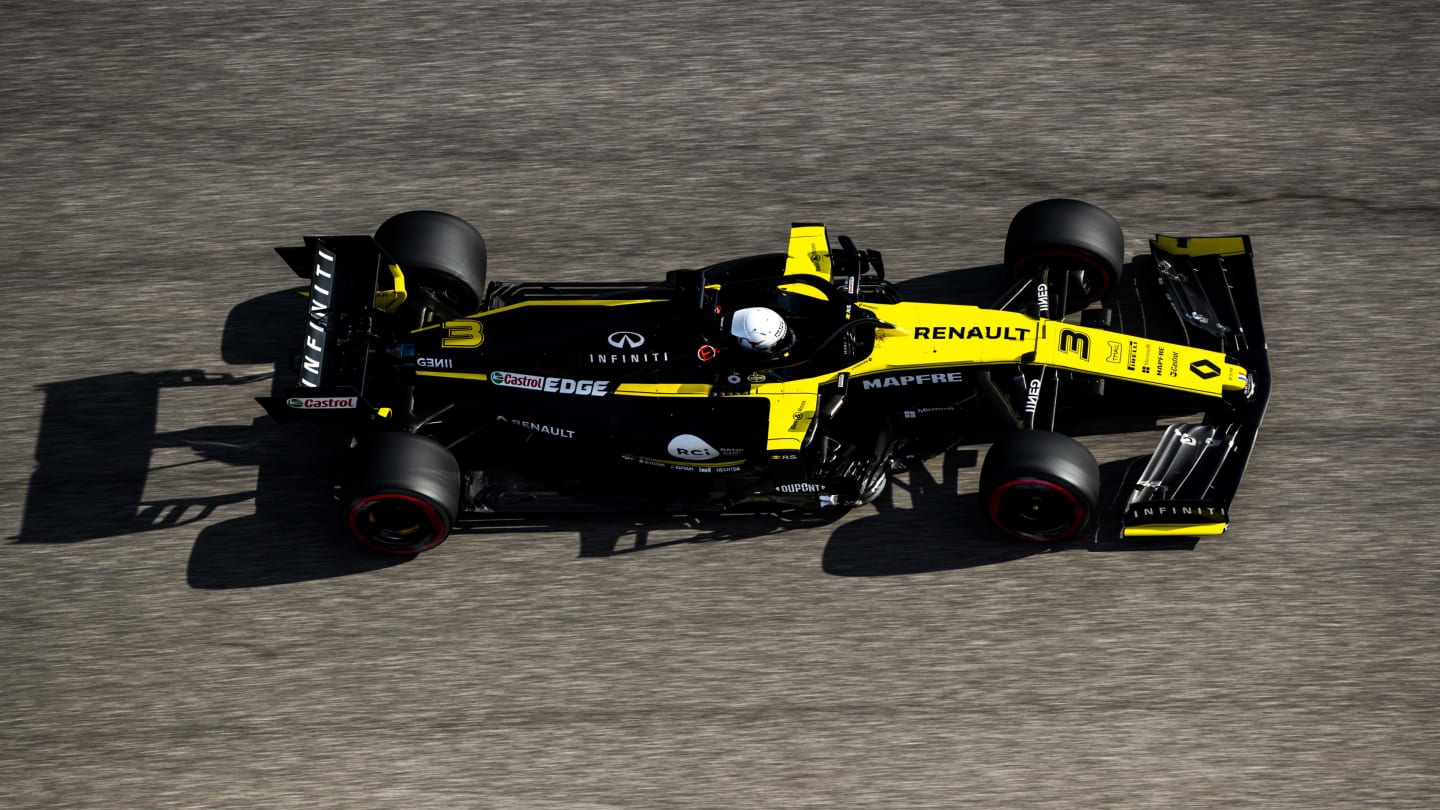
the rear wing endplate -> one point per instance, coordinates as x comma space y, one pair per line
343, 274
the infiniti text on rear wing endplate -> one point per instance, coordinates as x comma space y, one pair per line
342, 271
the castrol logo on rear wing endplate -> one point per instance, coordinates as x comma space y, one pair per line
322, 403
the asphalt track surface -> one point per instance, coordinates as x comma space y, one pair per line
181, 626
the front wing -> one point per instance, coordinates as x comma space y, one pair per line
1187, 486
1213, 353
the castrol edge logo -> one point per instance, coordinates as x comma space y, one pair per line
556, 385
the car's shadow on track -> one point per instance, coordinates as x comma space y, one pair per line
98, 438
944, 530
294, 534
94, 453
615, 535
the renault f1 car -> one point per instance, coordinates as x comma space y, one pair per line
466, 397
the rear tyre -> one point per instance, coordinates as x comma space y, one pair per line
1070, 238
1038, 485
442, 257
404, 495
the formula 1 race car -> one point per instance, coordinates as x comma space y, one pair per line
469, 398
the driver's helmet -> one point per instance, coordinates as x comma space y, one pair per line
758, 329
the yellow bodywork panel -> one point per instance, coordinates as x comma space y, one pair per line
792, 409
1176, 530
802, 289
454, 375
1126, 357
947, 335
1203, 245
662, 390
388, 301
809, 252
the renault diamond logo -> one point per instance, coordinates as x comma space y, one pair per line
1204, 369
626, 340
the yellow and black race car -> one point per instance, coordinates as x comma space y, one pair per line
470, 398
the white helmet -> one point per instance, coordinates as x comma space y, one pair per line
758, 328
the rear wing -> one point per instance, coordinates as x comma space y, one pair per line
344, 273
1187, 486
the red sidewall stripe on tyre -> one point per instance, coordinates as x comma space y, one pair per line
1106, 275
993, 508
430, 514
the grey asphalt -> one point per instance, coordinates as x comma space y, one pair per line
180, 626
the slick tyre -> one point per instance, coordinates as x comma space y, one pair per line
404, 493
442, 257
1038, 485
1080, 245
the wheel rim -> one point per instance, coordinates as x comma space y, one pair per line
873, 485
1036, 510
1091, 268
452, 294
397, 524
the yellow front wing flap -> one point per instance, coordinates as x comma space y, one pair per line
1202, 245
1175, 530
1126, 357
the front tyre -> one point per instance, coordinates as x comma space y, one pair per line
1078, 246
1038, 485
404, 494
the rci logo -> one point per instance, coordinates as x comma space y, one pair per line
690, 446
1205, 370
1075, 343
